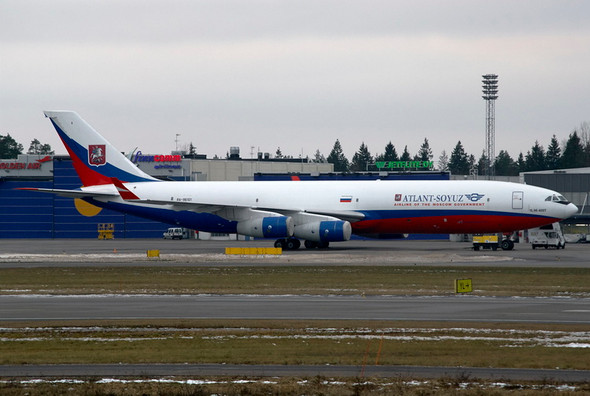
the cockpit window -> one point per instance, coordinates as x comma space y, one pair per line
557, 198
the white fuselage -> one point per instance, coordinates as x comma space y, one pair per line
385, 206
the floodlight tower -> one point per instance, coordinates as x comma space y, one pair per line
490, 94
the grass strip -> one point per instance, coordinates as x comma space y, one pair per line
288, 386
298, 342
346, 280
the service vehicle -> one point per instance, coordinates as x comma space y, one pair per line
173, 233
546, 236
485, 241
492, 241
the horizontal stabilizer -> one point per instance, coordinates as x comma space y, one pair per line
70, 193
125, 193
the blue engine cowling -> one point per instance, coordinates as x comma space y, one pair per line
267, 227
324, 231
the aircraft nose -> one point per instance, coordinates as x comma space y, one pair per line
570, 210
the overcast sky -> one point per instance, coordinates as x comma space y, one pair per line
295, 74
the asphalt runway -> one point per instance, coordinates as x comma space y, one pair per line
425, 308
258, 370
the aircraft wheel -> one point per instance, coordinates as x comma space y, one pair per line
292, 244
323, 245
280, 243
310, 244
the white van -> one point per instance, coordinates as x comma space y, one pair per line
546, 236
173, 233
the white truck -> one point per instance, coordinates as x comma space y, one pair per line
547, 236
174, 233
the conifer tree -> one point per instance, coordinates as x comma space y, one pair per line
361, 159
459, 162
553, 155
337, 158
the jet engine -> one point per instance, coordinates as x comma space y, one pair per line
267, 227
324, 231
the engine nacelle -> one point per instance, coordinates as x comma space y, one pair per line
267, 227
324, 231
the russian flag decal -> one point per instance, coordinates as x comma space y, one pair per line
346, 199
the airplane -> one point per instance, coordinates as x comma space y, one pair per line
317, 212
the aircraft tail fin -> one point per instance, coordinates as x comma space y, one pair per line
95, 160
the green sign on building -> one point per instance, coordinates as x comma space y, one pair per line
404, 164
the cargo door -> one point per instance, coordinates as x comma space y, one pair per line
517, 199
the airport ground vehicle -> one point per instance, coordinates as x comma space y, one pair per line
546, 236
485, 241
173, 233
492, 241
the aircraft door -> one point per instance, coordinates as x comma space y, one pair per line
517, 199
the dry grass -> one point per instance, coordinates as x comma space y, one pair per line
377, 280
298, 342
289, 386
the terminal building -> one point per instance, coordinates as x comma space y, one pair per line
26, 214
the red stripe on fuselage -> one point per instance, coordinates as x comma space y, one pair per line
455, 224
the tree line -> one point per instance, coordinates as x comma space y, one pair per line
10, 148
572, 153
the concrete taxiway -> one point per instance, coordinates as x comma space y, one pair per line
132, 252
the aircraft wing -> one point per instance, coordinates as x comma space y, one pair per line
191, 206
230, 212
234, 212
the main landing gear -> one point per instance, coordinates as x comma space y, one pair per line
294, 244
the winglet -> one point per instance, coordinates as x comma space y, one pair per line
124, 192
